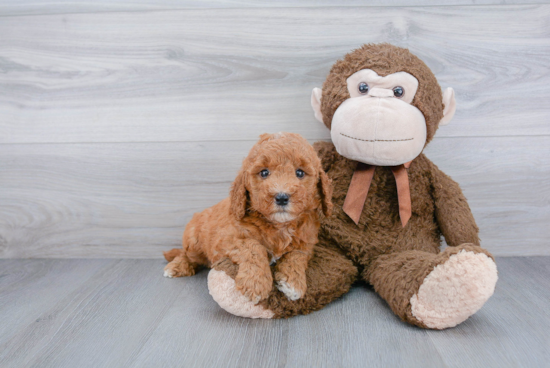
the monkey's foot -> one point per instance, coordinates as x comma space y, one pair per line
455, 290
223, 290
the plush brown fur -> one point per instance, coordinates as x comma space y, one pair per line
392, 258
250, 229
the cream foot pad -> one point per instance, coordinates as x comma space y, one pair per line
222, 288
455, 290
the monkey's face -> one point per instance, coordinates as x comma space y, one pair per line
378, 125
382, 105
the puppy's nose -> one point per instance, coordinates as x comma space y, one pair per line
282, 199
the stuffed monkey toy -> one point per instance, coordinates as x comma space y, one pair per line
383, 105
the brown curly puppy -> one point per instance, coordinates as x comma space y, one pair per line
272, 214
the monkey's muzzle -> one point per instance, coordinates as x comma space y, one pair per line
382, 131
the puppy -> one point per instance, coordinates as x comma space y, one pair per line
271, 215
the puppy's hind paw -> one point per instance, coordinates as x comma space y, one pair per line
178, 268
169, 273
290, 292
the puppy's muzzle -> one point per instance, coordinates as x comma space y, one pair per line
282, 199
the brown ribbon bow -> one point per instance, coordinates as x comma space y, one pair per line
359, 188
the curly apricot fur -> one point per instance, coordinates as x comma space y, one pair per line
251, 230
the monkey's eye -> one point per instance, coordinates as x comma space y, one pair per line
398, 92
300, 173
363, 88
264, 173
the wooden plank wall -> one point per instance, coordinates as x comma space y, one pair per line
120, 119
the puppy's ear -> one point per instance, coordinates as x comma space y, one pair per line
265, 137
238, 195
325, 191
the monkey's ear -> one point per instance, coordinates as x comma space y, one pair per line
238, 196
450, 106
316, 103
325, 191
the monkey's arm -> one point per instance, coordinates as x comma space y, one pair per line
326, 152
453, 215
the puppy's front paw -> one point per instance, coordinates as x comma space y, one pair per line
255, 287
291, 291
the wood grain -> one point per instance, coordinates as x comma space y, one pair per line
231, 74
194, 341
29, 288
133, 200
39, 7
124, 313
512, 327
119, 123
119, 304
342, 335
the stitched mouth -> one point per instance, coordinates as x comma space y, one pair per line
377, 140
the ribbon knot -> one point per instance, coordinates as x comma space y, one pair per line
359, 189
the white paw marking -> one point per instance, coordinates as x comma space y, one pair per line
274, 260
455, 290
288, 290
168, 273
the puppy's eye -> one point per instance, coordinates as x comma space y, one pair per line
264, 173
398, 92
363, 88
300, 173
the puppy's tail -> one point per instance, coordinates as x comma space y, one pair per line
171, 254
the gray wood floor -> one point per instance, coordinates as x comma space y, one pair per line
123, 313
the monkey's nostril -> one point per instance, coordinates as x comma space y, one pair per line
282, 199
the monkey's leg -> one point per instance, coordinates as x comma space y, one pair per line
435, 290
329, 275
